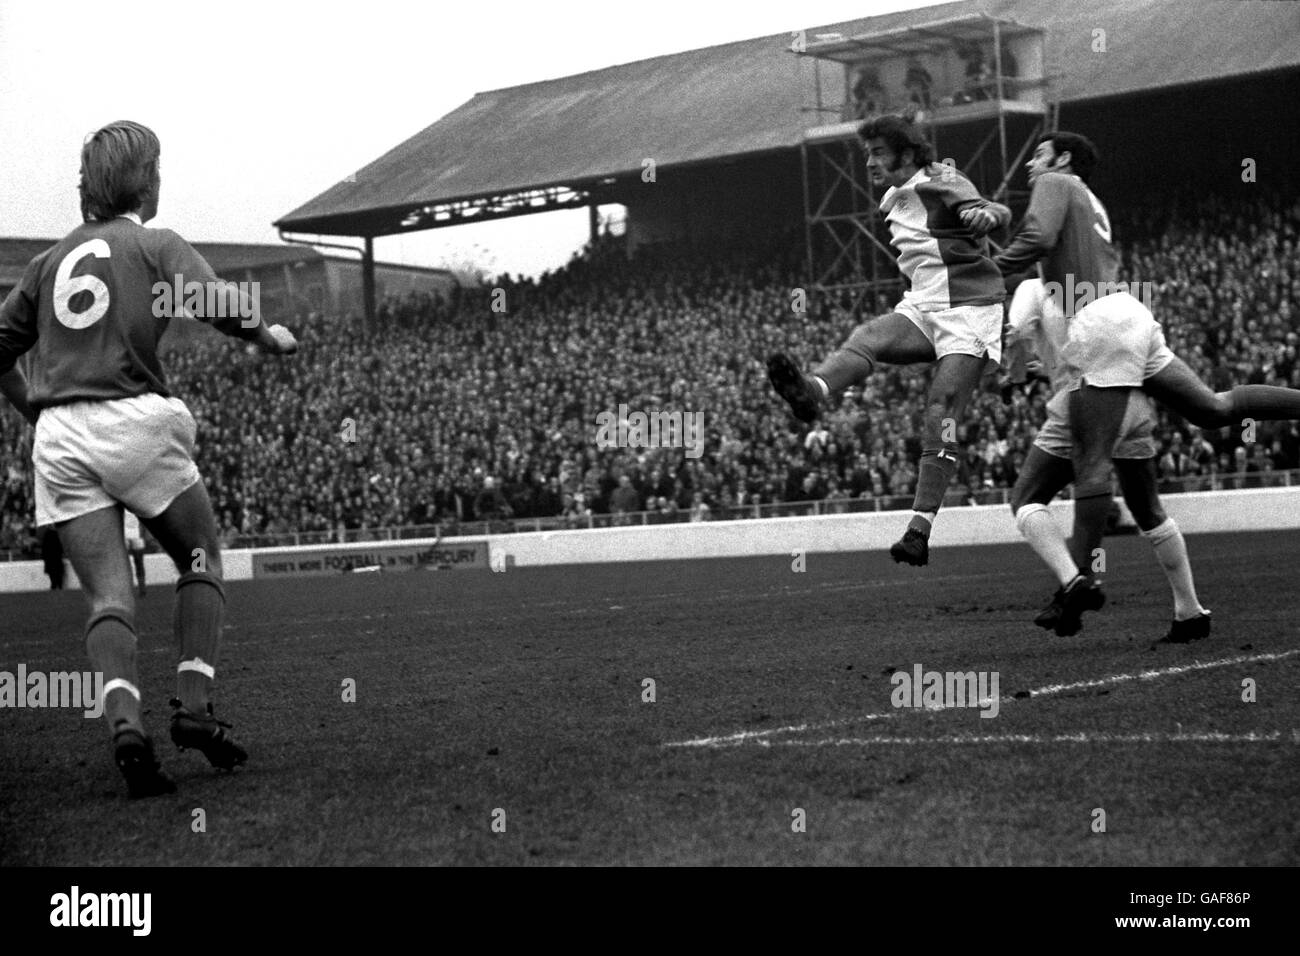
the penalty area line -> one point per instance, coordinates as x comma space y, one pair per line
1050, 690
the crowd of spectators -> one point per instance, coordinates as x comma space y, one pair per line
485, 408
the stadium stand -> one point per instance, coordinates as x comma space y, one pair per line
443, 395
446, 398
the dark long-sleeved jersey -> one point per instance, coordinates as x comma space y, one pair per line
1067, 228
88, 310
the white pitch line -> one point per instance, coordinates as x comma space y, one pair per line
1077, 738
1162, 672
1050, 690
744, 735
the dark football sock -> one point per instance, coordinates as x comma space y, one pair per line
932, 479
200, 606
1265, 402
1090, 516
110, 643
921, 522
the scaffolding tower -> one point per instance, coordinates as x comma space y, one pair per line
978, 88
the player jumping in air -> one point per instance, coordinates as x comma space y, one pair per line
950, 315
1113, 343
109, 434
1038, 323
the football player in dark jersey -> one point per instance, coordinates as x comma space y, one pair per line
111, 436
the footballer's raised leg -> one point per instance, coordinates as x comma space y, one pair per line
892, 339
1177, 387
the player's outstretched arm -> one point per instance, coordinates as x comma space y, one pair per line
238, 311
1041, 228
273, 339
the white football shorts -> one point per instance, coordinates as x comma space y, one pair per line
1114, 342
962, 330
138, 451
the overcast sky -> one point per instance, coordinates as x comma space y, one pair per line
261, 106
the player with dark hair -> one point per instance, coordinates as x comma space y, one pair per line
1083, 154
109, 434
951, 314
1037, 325
1114, 344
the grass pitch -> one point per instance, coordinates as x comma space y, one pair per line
519, 699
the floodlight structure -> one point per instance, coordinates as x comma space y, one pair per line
978, 87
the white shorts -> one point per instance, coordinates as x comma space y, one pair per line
90, 455
963, 330
1114, 342
1136, 434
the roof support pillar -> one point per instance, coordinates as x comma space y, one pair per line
368, 282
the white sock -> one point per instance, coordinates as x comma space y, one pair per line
1045, 536
1171, 552
821, 383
